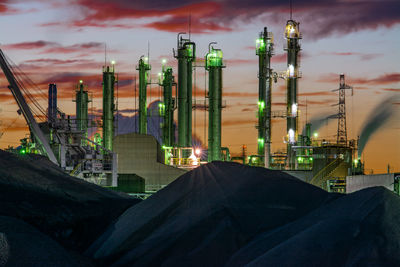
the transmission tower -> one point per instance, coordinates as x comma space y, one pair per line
342, 129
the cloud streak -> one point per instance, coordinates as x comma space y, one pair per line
322, 18
47, 47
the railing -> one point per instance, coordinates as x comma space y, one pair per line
319, 178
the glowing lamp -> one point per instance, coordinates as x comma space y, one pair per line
294, 110
292, 139
291, 71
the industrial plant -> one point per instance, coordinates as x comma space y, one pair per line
140, 164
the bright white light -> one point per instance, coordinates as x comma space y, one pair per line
146, 59
198, 151
113, 62
292, 139
291, 71
193, 159
294, 110
164, 61
315, 135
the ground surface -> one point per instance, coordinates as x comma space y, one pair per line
218, 214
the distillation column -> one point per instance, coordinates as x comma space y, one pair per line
214, 67
292, 47
108, 106
82, 100
186, 54
143, 69
52, 107
167, 107
264, 50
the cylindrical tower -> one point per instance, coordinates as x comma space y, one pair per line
264, 50
167, 107
108, 106
82, 100
214, 65
143, 69
52, 106
292, 35
186, 54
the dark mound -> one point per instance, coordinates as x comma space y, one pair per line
205, 216
23, 245
359, 229
67, 209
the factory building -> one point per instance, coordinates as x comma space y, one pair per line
136, 162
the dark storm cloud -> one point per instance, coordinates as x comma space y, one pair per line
322, 18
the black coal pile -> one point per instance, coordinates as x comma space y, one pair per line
234, 215
36, 193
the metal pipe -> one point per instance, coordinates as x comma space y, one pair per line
52, 106
185, 55
143, 69
214, 65
167, 108
82, 100
264, 50
292, 35
108, 106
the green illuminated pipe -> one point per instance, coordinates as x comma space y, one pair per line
264, 50
167, 108
186, 54
82, 100
292, 36
108, 106
214, 65
143, 69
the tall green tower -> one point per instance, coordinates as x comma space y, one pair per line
292, 35
143, 69
167, 106
264, 51
214, 65
186, 55
108, 106
82, 100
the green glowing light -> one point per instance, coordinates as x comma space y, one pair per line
80, 81
214, 58
356, 161
315, 135
23, 151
